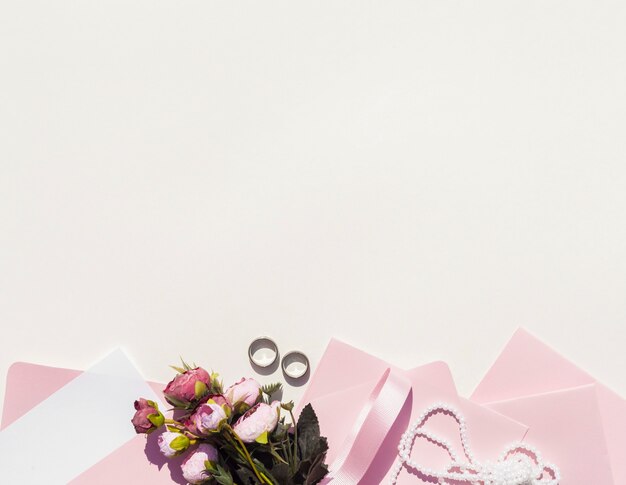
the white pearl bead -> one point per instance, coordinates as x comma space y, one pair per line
514, 466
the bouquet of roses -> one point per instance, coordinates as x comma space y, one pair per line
236, 435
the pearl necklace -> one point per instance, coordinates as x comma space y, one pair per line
519, 464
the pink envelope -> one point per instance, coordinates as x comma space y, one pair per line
578, 422
348, 375
138, 461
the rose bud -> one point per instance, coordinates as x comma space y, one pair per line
210, 415
187, 387
147, 416
194, 466
172, 444
244, 394
258, 422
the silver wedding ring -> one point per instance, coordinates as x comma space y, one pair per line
263, 352
295, 364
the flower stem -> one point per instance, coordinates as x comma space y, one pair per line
287, 450
244, 451
278, 457
295, 440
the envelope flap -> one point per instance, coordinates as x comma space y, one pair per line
438, 373
527, 366
104, 390
29, 384
139, 459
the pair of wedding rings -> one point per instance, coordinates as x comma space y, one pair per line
263, 353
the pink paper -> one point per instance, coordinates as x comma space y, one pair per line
138, 461
346, 374
567, 428
530, 376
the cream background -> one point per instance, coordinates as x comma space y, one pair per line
416, 178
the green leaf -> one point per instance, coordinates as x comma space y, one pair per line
308, 433
287, 406
246, 476
222, 476
313, 448
280, 433
281, 473
180, 370
185, 365
177, 403
241, 407
224, 479
271, 389
200, 389
216, 384
317, 472
156, 419
180, 443
262, 439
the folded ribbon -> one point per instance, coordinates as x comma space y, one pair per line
372, 426
519, 464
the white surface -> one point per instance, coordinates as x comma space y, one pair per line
417, 178
95, 400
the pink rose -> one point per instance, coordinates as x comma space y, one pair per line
187, 387
209, 415
258, 422
147, 416
194, 468
246, 391
172, 444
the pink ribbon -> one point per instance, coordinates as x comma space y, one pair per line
370, 430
